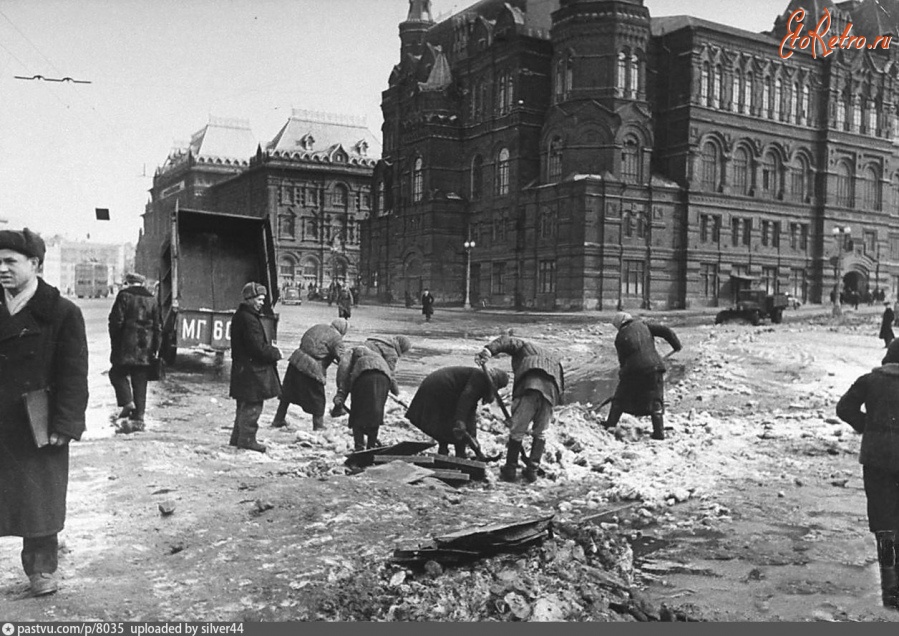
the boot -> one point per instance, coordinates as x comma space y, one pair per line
658, 426
373, 440
127, 410
886, 557
252, 445
537, 447
358, 441
234, 434
318, 423
509, 472
280, 420
615, 412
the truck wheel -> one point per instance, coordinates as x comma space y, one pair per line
777, 317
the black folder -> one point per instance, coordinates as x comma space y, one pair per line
37, 405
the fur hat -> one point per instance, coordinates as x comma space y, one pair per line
499, 377
620, 318
340, 324
24, 242
133, 277
892, 355
251, 290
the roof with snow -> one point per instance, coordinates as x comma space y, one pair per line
317, 135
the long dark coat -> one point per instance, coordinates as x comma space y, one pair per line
44, 345
344, 304
254, 373
134, 328
886, 325
427, 304
446, 396
878, 392
640, 378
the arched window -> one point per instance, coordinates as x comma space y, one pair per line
510, 93
310, 270
704, 86
844, 185
803, 113
477, 177
766, 97
857, 114
800, 178
871, 124
720, 80
286, 225
554, 161
741, 180
381, 199
771, 174
711, 167
841, 115
560, 77
796, 103
502, 172
871, 198
894, 187
340, 196
501, 95
631, 161
736, 103
634, 75
417, 180
622, 72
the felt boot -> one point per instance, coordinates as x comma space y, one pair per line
886, 557
537, 448
509, 472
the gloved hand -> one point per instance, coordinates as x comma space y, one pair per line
483, 356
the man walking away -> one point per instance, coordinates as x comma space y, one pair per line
134, 333
641, 377
43, 353
878, 393
445, 405
886, 325
254, 372
537, 388
366, 374
344, 303
304, 380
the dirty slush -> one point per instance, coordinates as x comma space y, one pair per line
752, 509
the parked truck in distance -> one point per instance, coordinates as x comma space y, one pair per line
91, 280
205, 262
753, 306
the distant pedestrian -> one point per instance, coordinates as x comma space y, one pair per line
886, 325
304, 380
427, 305
641, 377
365, 375
134, 335
354, 292
537, 388
344, 303
254, 373
445, 405
43, 353
878, 393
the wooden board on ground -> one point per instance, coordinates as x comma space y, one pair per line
366, 457
471, 467
420, 460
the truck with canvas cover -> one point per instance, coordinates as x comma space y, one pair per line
91, 279
205, 262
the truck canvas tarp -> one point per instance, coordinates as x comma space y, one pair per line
207, 260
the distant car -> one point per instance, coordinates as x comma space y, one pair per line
793, 302
291, 296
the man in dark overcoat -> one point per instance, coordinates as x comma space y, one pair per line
445, 405
427, 305
134, 333
307, 369
43, 346
641, 377
537, 388
254, 371
886, 325
365, 375
344, 303
877, 393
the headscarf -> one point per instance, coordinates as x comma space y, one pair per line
340, 324
620, 318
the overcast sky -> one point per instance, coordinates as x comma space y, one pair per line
159, 68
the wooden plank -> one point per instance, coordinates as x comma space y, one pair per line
366, 457
421, 460
450, 475
473, 468
609, 512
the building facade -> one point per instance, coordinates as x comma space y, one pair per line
597, 157
313, 181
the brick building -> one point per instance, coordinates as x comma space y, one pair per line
313, 182
600, 157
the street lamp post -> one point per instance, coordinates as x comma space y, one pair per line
468, 245
839, 234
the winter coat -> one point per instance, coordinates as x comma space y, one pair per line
376, 354
254, 374
344, 304
878, 392
134, 327
886, 324
447, 396
635, 344
43, 345
528, 358
427, 304
319, 347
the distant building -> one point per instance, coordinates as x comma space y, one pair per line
64, 255
599, 157
312, 181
